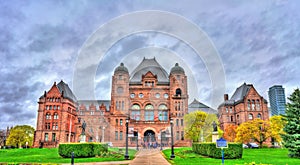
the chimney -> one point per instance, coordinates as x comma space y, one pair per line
225, 97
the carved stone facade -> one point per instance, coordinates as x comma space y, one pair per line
149, 97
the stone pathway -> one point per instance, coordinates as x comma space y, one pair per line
149, 157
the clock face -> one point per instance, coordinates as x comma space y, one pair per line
141, 95
157, 95
132, 95
166, 95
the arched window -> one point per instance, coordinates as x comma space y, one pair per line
149, 107
162, 107
253, 105
48, 116
259, 116
163, 112
55, 116
248, 105
149, 113
135, 112
257, 105
250, 116
178, 92
135, 107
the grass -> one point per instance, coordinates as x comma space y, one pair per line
266, 156
46, 155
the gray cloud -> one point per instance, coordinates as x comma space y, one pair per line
257, 43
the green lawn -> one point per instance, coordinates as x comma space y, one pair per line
46, 155
185, 156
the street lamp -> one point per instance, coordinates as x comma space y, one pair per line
161, 136
137, 140
172, 142
126, 156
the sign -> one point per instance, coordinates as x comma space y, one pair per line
130, 131
221, 143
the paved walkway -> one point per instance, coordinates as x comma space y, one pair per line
149, 157
143, 157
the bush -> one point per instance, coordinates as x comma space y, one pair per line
81, 150
234, 150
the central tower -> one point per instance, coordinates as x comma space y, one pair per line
150, 97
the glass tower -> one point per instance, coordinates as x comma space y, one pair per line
277, 100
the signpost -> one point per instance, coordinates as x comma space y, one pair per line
222, 143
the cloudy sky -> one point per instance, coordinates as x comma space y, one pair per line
256, 42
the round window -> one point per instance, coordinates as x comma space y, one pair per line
166, 95
157, 95
141, 95
132, 95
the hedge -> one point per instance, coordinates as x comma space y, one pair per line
81, 150
234, 150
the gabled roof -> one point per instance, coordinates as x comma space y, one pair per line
239, 95
149, 65
67, 92
197, 105
241, 92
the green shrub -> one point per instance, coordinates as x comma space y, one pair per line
234, 150
81, 150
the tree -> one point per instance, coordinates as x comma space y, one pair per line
19, 135
194, 122
198, 126
230, 132
292, 128
257, 130
277, 124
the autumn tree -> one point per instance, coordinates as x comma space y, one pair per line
292, 128
230, 132
19, 135
257, 130
198, 126
194, 123
277, 124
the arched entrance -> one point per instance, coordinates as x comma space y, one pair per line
149, 136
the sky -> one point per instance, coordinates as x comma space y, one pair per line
220, 44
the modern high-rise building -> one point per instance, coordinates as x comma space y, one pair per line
277, 100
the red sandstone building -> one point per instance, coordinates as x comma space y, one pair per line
149, 96
244, 105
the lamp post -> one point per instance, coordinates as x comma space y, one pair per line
161, 136
172, 142
137, 140
126, 156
